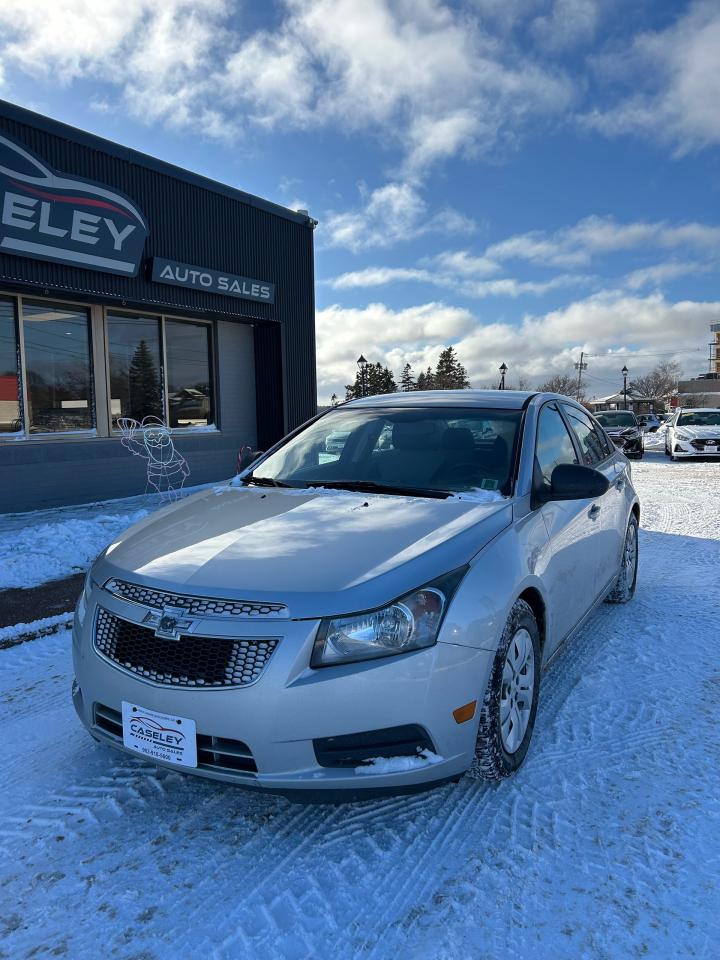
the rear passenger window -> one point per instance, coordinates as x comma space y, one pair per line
592, 444
554, 445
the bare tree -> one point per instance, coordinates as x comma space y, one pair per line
660, 384
562, 383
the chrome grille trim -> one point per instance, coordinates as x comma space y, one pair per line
205, 607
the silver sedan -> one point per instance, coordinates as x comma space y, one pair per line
371, 620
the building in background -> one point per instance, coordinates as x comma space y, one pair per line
617, 401
132, 288
704, 390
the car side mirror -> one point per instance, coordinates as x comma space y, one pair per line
573, 481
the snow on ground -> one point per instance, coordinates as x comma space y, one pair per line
49, 544
604, 846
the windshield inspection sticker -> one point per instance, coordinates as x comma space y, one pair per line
488, 484
159, 736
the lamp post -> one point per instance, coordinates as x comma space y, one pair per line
625, 372
503, 371
362, 363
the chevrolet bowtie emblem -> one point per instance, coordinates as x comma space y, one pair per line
169, 624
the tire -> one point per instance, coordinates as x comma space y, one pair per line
496, 755
624, 587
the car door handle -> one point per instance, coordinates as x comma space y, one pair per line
620, 483
594, 511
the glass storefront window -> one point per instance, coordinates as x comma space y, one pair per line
135, 371
190, 395
57, 368
10, 416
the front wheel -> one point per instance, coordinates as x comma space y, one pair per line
507, 716
624, 588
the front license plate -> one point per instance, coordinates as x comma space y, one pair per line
159, 736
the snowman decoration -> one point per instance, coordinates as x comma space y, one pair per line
151, 440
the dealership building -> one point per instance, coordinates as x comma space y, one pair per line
133, 290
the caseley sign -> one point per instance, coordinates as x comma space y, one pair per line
211, 281
46, 215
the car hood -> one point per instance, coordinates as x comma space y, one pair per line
618, 431
318, 552
697, 433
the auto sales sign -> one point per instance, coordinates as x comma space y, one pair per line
48, 216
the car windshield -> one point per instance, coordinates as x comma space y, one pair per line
616, 418
699, 418
427, 451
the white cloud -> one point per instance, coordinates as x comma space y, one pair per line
613, 328
675, 82
567, 24
392, 213
462, 286
378, 276
661, 273
595, 236
426, 78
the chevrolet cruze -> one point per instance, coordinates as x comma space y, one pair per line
371, 619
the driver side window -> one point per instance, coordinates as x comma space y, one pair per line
553, 445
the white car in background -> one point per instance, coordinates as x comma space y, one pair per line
693, 432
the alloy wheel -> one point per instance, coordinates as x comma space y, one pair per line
516, 697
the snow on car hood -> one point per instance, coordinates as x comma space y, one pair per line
698, 433
318, 552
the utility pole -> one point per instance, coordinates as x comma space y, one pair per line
580, 366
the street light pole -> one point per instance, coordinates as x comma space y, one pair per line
362, 363
625, 372
503, 371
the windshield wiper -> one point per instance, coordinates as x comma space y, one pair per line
265, 481
370, 486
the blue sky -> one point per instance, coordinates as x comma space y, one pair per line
522, 178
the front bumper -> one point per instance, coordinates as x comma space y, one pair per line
290, 706
630, 447
690, 448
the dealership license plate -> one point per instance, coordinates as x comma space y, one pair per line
159, 736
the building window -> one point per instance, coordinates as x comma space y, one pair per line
57, 368
135, 368
190, 394
10, 407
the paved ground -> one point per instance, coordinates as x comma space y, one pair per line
606, 845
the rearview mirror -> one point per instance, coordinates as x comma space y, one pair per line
572, 481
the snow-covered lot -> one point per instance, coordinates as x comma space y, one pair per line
606, 845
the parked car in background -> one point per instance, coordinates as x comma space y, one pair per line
649, 422
693, 432
374, 622
624, 430
335, 441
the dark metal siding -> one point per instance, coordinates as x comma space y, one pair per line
198, 222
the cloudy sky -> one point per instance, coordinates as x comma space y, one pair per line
525, 179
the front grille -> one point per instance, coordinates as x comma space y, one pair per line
713, 445
350, 750
188, 662
196, 606
213, 753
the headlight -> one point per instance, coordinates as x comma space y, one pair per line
84, 598
679, 435
410, 623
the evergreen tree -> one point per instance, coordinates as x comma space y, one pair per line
450, 374
334, 400
426, 381
407, 380
145, 395
378, 379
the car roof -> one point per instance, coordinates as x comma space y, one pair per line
698, 410
499, 399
